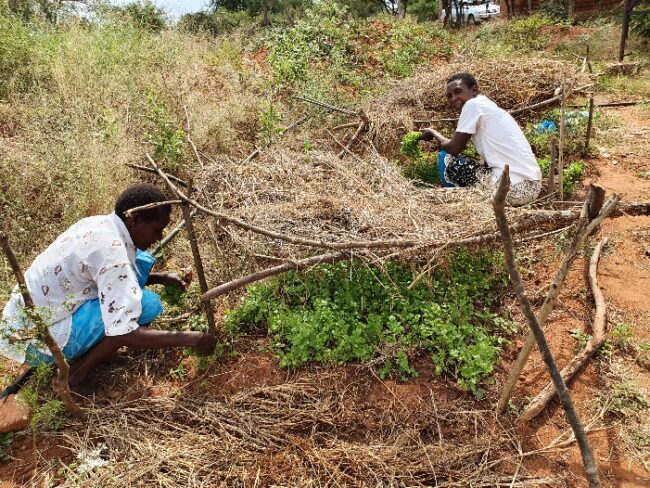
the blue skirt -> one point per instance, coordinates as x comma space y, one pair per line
460, 171
87, 324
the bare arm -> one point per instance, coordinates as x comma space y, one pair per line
146, 338
453, 146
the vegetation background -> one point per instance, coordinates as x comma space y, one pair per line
83, 96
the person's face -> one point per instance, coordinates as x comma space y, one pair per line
145, 234
458, 93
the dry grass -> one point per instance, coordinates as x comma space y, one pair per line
317, 196
511, 83
63, 145
294, 434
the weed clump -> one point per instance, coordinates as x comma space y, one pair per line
351, 312
410, 145
422, 165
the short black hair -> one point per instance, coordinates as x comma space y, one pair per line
469, 80
142, 194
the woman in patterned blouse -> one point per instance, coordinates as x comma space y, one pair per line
90, 284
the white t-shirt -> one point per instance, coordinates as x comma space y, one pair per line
93, 258
498, 139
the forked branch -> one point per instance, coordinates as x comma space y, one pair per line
585, 227
61, 384
595, 342
591, 470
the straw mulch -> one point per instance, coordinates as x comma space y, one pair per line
295, 434
363, 197
511, 83
320, 197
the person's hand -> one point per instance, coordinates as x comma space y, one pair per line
206, 345
427, 134
171, 279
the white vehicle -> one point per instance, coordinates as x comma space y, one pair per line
471, 12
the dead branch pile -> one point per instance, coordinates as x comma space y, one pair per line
366, 206
295, 434
319, 196
511, 83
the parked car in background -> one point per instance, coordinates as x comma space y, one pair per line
470, 11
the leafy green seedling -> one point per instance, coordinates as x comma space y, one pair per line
410, 145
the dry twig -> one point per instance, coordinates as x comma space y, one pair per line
43, 333
588, 460
538, 403
584, 228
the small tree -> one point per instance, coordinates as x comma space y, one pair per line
424, 9
144, 14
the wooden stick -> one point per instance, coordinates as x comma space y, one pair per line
297, 123
589, 463
345, 126
149, 206
149, 170
560, 157
615, 104
275, 270
327, 106
61, 383
536, 219
198, 262
515, 110
590, 120
348, 147
552, 169
547, 307
553, 219
169, 237
583, 229
577, 363
252, 155
197, 156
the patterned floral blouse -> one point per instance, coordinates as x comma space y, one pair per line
95, 258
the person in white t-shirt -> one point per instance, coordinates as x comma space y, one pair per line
498, 139
89, 284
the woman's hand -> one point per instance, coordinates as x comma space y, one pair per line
430, 134
453, 146
169, 279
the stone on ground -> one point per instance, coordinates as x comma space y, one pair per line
14, 414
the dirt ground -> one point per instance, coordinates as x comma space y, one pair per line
373, 406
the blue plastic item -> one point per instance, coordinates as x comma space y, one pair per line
545, 126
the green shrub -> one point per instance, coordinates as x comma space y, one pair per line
572, 173
409, 48
558, 10
524, 34
215, 23
410, 145
144, 14
19, 55
270, 121
640, 25
48, 413
350, 311
167, 139
422, 166
320, 37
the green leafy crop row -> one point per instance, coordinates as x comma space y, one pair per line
349, 311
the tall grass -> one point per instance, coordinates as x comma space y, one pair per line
77, 107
